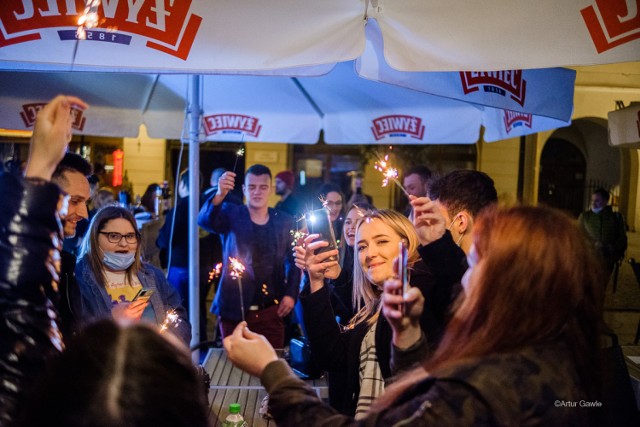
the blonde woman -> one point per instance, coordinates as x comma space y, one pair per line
358, 357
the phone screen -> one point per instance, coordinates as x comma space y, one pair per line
318, 223
143, 294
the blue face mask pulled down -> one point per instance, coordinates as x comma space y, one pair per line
117, 261
472, 260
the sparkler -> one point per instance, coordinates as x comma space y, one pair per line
88, 19
239, 154
171, 319
389, 173
237, 268
215, 273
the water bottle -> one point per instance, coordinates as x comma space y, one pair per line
234, 419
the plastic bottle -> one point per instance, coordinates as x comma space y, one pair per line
234, 419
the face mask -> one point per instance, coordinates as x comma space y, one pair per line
596, 210
117, 261
472, 260
449, 228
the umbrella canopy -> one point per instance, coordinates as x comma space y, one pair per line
351, 110
200, 36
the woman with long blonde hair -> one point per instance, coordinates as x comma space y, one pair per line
358, 356
521, 349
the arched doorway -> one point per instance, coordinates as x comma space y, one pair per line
562, 176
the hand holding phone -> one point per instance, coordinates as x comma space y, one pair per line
318, 222
403, 269
143, 295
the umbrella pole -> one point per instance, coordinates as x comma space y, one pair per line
194, 115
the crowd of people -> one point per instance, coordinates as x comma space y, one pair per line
498, 324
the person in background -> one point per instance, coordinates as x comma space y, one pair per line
211, 191
173, 240
30, 215
288, 202
356, 193
110, 274
417, 180
147, 209
331, 198
522, 343
113, 375
606, 229
149, 224
259, 237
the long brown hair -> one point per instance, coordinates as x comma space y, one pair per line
91, 248
537, 282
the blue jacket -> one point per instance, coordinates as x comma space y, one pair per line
96, 302
233, 223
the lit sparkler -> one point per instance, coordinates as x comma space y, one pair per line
171, 319
215, 273
239, 154
88, 19
389, 173
237, 268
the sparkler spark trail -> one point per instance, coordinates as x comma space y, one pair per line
88, 19
239, 154
389, 173
237, 268
171, 319
215, 273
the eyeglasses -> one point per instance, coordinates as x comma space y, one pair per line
114, 237
333, 204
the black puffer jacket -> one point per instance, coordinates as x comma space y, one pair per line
30, 239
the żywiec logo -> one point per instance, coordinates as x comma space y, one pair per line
500, 82
612, 23
29, 112
397, 125
514, 119
231, 123
168, 25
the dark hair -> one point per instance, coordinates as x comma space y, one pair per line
422, 171
603, 193
71, 162
90, 246
217, 172
119, 376
148, 199
329, 187
464, 190
257, 170
184, 178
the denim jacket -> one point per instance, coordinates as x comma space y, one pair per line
96, 302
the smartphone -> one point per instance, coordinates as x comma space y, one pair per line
143, 294
403, 266
318, 223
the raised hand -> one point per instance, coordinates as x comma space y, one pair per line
319, 265
51, 136
226, 183
428, 220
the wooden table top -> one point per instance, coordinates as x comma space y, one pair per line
231, 385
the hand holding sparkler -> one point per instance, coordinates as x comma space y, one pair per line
389, 173
226, 183
237, 268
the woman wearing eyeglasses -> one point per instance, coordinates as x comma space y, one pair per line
111, 273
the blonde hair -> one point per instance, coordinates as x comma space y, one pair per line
366, 296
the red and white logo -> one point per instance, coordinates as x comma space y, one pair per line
514, 119
500, 82
30, 111
612, 23
168, 25
231, 123
397, 125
